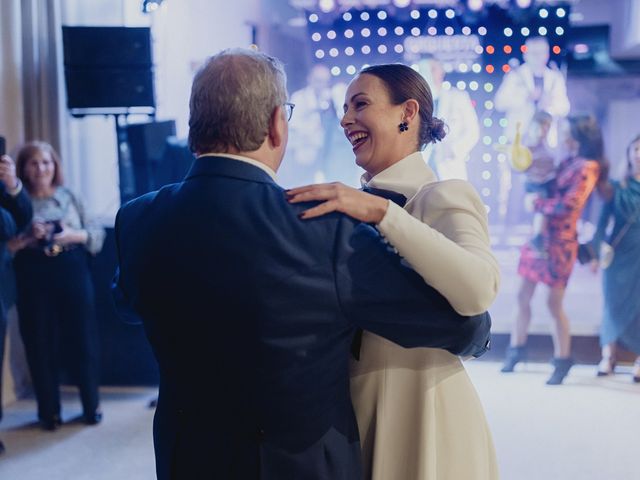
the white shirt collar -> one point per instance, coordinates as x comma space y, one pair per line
406, 177
248, 160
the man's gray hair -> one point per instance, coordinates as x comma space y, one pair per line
232, 99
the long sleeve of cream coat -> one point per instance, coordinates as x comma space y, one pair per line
442, 233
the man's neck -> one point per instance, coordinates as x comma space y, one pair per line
255, 155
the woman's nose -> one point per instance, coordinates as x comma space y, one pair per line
346, 120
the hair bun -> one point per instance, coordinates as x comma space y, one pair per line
437, 129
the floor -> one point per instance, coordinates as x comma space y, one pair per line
585, 429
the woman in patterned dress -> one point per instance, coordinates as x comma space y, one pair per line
576, 178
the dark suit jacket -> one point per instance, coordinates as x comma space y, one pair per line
251, 313
15, 214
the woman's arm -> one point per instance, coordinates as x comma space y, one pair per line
448, 245
446, 241
582, 183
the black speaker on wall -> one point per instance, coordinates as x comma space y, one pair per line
108, 67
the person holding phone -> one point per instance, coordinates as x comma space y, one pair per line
15, 214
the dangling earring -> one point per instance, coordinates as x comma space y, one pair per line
404, 126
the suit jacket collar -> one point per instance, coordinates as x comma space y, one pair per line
222, 166
406, 177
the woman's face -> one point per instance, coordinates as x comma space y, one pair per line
40, 170
370, 123
634, 158
569, 144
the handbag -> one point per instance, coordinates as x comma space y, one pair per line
608, 251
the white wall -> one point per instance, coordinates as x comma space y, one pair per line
185, 33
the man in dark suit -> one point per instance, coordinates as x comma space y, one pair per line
15, 214
250, 311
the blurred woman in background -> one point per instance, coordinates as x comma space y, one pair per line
56, 302
621, 280
576, 177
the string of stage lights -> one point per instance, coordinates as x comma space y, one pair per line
476, 48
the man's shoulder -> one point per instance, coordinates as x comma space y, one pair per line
141, 205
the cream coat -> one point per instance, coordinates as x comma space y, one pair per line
418, 413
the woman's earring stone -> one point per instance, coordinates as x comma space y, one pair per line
404, 126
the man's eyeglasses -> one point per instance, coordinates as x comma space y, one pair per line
288, 109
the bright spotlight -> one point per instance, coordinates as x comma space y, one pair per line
475, 5
327, 5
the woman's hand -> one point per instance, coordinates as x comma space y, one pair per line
340, 198
70, 236
594, 265
39, 230
8, 172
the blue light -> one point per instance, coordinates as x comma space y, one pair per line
508, 32
482, 31
399, 31
433, 13
542, 30
316, 37
382, 31
559, 31
544, 13
450, 13
561, 12
335, 71
525, 31
347, 17
366, 49
365, 32
349, 51
348, 33
382, 15
331, 34
319, 53
415, 31
415, 14
313, 18
382, 49
364, 16
448, 30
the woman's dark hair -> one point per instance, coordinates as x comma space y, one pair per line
27, 151
404, 83
586, 131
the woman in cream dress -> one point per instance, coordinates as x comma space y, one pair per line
418, 413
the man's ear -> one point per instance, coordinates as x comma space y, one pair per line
277, 127
411, 110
